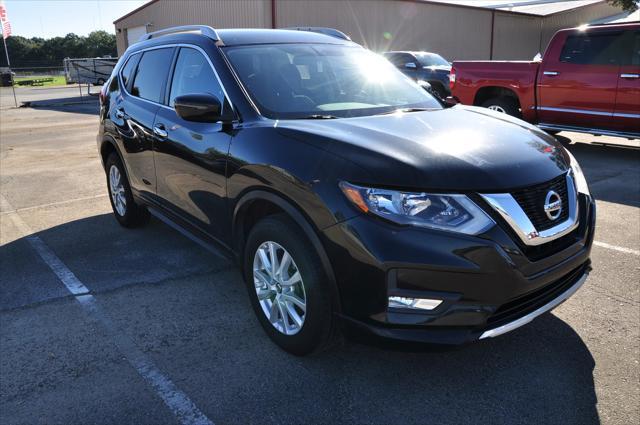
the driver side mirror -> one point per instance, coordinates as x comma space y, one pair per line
410, 65
198, 108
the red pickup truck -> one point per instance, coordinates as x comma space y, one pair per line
588, 81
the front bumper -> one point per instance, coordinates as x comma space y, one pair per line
508, 327
489, 284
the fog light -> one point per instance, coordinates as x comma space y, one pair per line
414, 303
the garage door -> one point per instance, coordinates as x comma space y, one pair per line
134, 34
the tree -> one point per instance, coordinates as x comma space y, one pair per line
101, 43
39, 52
626, 5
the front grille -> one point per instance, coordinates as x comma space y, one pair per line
527, 303
532, 200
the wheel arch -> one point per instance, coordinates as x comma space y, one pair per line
489, 92
259, 203
107, 147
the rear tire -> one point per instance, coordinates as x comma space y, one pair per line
279, 236
503, 104
125, 209
439, 90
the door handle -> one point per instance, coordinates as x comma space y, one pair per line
629, 75
159, 131
551, 73
119, 114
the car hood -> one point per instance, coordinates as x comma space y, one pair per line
462, 148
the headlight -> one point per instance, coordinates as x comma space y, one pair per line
456, 213
578, 175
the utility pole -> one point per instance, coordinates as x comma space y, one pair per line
6, 32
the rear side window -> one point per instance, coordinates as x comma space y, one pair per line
400, 59
593, 49
634, 58
152, 74
128, 68
193, 75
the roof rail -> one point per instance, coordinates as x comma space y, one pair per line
322, 30
205, 30
612, 23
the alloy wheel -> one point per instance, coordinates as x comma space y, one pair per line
116, 188
497, 108
279, 288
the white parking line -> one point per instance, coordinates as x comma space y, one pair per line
177, 401
617, 248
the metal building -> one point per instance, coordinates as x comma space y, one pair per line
457, 29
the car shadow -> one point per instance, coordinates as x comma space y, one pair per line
612, 171
75, 104
542, 372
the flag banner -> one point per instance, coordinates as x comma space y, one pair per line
4, 21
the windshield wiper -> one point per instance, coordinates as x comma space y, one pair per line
318, 117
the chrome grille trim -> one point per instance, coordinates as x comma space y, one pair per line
514, 215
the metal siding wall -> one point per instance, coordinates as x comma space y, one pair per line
516, 37
574, 18
454, 32
121, 43
219, 14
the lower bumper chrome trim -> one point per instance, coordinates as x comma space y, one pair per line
529, 317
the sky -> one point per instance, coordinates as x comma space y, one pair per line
52, 18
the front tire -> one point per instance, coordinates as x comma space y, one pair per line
503, 104
125, 209
287, 286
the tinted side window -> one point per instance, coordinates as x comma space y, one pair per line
193, 75
113, 84
152, 74
593, 49
128, 68
635, 50
393, 58
401, 59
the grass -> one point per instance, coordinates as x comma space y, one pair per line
58, 80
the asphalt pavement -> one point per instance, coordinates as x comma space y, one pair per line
161, 331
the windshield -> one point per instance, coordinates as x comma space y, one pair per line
288, 81
431, 59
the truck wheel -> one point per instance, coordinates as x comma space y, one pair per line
505, 105
288, 286
126, 210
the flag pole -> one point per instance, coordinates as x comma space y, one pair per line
6, 51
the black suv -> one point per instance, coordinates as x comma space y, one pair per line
347, 193
424, 66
